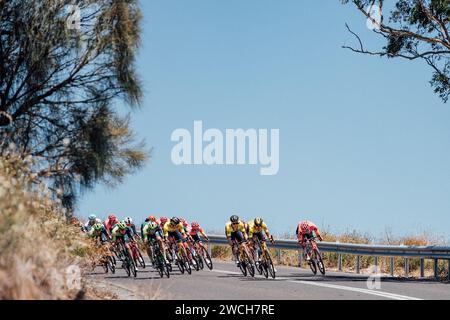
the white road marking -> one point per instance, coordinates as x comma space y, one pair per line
339, 287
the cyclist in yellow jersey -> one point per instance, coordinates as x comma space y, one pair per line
256, 230
174, 229
235, 231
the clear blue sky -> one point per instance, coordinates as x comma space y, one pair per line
364, 142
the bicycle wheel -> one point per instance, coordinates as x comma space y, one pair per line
259, 267
111, 264
243, 267
167, 270
169, 254
116, 254
250, 268
133, 268
187, 264
123, 252
200, 262
105, 266
130, 263
140, 258
160, 265
113, 259
126, 266
249, 264
264, 268
161, 271
179, 263
313, 266
270, 266
207, 258
320, 263
256, 257
194, 262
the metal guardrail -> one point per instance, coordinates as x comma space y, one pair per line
435, 253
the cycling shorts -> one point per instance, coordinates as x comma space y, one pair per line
176, 235
238, 236
155, 235
260, 236
196, 238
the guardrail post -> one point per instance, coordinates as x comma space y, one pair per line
376, 265
300, 253
448, 268
436, 271
340, 262
358, 264
279, 256
209, 249
422, 268
406, 267
391, 266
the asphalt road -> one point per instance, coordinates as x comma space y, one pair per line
226, 282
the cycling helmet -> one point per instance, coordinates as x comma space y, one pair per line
183, 221
122, 225
92, 217
195, 225
151, 218
153, 225
304, 226
258, 222
234, 219
175, 220
128, 220
163, 219
98, 226
112, 217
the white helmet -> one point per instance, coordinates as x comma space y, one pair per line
128, 220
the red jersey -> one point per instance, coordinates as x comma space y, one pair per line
110, 223
194, 231
312, 228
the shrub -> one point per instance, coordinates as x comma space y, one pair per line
42, 255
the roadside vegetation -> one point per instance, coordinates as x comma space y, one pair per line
43, 255
64, 89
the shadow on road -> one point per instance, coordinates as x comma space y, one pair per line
329, 278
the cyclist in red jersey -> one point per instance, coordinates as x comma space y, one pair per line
194, 229
307, 230
110, 222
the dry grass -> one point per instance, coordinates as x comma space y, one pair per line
40, 252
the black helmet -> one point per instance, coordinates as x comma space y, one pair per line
258, 222
234, 218
175, 220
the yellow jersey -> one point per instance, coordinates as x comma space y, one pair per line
168, 227
252, 228
229, 228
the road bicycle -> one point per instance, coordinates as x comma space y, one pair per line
109, 262
179, 256
263, 259
137, 255
312, 251
246, 263
202, 254
198, 264
127, 261
159, 261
